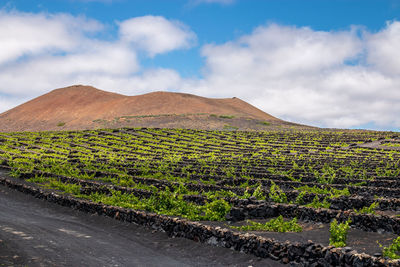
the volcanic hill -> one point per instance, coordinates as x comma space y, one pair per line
85, 107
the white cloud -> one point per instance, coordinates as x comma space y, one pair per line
384, 49
156, 34
40, 52
53, 71
44, 51
304, 75
24, 34
335, 79
7, 102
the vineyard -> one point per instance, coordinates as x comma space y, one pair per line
317, 197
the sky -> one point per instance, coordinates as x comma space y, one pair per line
326, 63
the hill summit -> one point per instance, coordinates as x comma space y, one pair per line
85, 107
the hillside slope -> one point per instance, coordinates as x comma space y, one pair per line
85, 107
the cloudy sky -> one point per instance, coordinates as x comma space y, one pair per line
325, 63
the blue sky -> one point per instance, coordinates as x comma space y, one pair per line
219, 23
325, 63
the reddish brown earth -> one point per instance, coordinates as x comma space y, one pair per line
85, 107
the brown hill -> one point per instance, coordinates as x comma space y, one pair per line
85, 107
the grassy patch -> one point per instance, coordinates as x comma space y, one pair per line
226, 116
230, 127
265, 123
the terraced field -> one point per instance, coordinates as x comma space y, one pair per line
286, 195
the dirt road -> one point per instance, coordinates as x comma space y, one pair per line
37, 233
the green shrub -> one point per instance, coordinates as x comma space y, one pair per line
300, 198
258, 193
338, 233
38, 179
273, 225
318, 204
330, 192
167, 203
326, 175
67, 188
392, 251
368, 210
216, 210
16, 173
276, 194
220, 194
